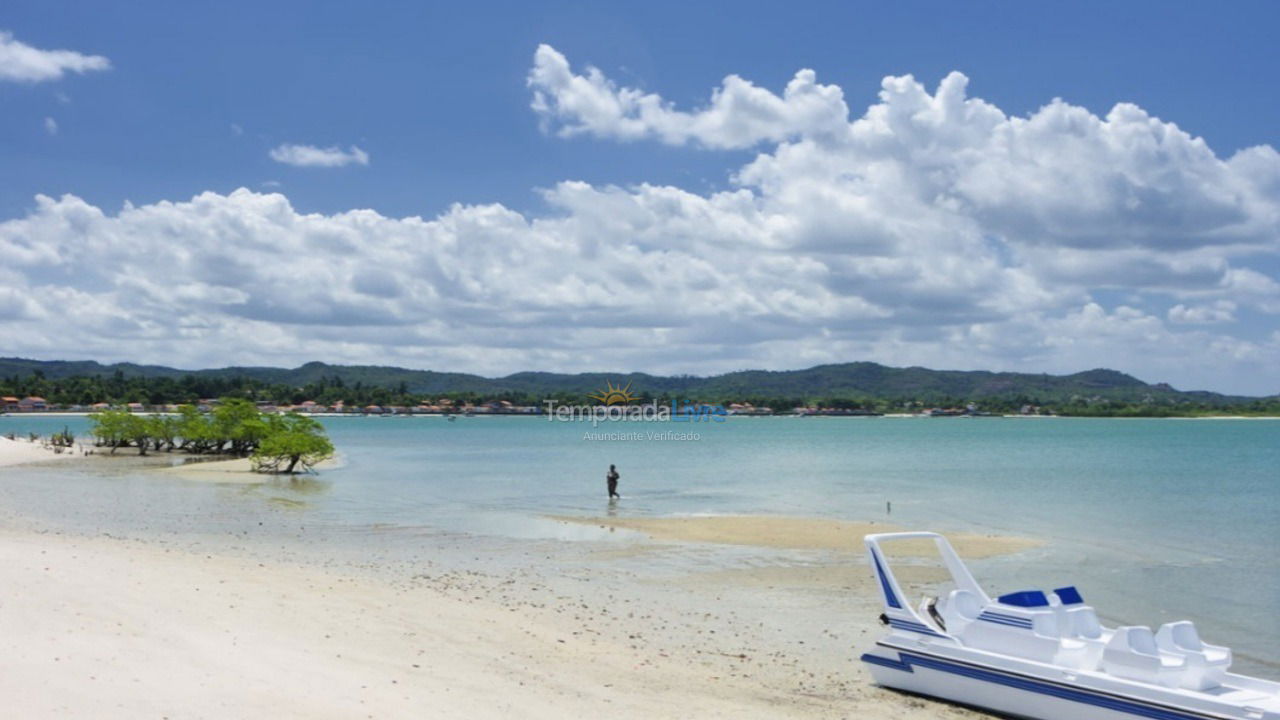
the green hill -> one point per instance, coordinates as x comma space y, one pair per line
855, 381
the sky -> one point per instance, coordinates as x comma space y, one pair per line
670, 188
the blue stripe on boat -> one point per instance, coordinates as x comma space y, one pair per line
890, 598
1010, 621
912, 626
999, 619
1005, 618
1003, 615
1006, 624
906, 661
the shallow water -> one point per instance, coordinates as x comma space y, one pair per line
1154, 520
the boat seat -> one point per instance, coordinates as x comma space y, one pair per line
1079, 654
1082, 640
1132, 653
958, 609
1068, 596
1082, 622
1075, 619
1206, 664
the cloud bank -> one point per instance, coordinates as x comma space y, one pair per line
311, 156
932, 229
20, 62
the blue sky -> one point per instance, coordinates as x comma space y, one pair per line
438, 98
436, 92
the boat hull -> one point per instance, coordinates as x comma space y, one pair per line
1006, 692
1045, 656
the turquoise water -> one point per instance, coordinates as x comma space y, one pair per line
1154, 519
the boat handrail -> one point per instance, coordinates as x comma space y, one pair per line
889, 586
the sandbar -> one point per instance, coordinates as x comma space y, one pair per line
795, 533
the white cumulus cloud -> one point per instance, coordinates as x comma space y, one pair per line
738, 115
20, 62
312, 156
932, 229
1221, 311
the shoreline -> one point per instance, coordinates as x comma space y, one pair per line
752, 416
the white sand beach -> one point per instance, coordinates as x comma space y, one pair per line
113, 628
20, 452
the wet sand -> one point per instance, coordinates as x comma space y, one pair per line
795, 533
835, 578
237, 471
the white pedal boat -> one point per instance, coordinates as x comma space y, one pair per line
1044, 655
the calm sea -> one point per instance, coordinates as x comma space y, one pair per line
1153, 520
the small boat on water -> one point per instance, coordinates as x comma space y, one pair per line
1044, 655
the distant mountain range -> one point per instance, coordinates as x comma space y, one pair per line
856, 379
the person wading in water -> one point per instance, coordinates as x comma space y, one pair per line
612, 480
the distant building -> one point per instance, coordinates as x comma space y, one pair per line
746, 408
8, 403
136, 407
32, 404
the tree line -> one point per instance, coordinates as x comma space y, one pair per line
118, 389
